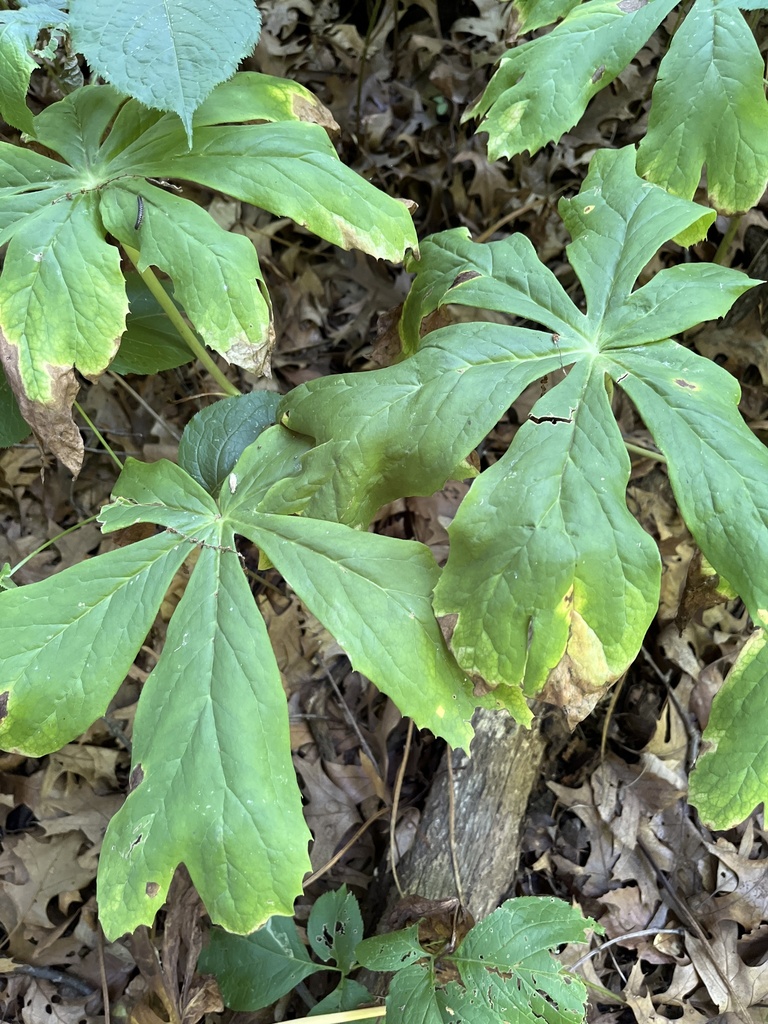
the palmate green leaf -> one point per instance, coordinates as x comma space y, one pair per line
212, 783
169, 54
731, 775
56, 215
373, 594
542, 87
572, 610
412, 996
709, 108
254, 971
18, 37
508, 972
68, 641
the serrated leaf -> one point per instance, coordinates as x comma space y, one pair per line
290, 169
167, 53
150, 342
709, 108
255, 970
542, 87
216, 274
589, 592
507, 969
731, 775
384, 622
13, 426
412, 996
335, 928
348, 995
393, 951
18, 37
82, 628
215, 438
213, 786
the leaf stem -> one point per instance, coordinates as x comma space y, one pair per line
150, 279
47, 544
340, 1018
646, 453
99, 437
725, 243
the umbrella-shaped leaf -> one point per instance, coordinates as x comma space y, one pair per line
570, 609
212, 784
81, 630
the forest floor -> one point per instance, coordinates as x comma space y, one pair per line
608, 826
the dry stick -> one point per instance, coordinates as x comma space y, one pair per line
145, 405
103, 976
452, 827
349, 716
395, 803
149, 278
347, 846
645, 933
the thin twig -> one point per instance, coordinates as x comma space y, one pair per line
452, 827
146, 406
347, 846
349, 716
103, 976
99, 437
395, 804
645, 933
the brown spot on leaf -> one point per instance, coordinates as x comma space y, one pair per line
152, 889
685, 384
598, 73
464, 276
4, 705
137, 777
51, 421
315, 112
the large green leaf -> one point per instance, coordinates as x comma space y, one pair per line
543, 86
550, 578
18, 37
254, 971
290, 168
68, 642
167, 53
731, 776
374, 595
507, 970
212, 784
709, 108
56, 216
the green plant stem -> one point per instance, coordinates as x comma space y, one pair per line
646, 453
149, 278
100, 437
47, 544
727, 240
345, 1015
